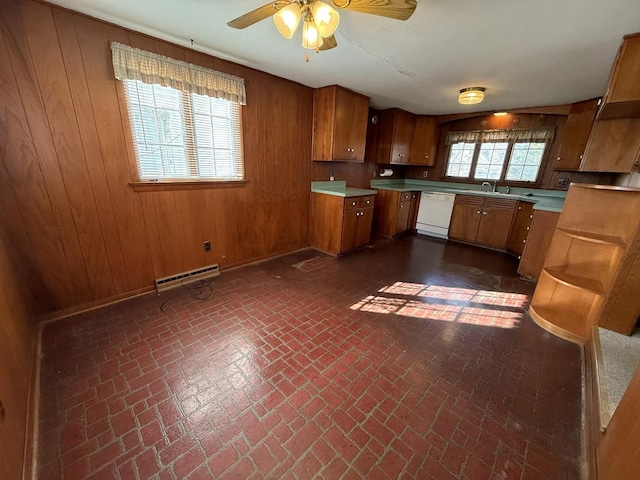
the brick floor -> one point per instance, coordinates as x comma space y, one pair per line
413, 359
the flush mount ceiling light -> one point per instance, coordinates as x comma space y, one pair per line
320, 19
471, 95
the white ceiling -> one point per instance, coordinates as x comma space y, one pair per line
525, 52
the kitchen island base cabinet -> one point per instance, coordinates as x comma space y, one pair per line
340, 224
589, 264
482, 221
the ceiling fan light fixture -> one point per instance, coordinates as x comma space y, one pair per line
287, 20
471, 95
311, 38
326, 18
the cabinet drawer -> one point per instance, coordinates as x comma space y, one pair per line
351, 202
367, 201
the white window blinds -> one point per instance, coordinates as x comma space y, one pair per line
185, 120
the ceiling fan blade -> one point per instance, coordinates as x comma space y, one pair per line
398, 9
328, 43
254, 16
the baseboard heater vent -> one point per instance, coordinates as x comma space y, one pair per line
172, 281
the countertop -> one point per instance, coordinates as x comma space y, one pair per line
339, 189
548, 200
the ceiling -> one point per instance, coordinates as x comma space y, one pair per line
526, 53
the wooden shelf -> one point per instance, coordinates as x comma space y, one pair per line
576, 281
549, 319
594, 237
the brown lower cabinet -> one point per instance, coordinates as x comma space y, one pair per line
340, 224
543, 224
395, 212
484, 221
520, 228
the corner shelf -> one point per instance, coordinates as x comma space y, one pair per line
588, 276
594, 237
576, 281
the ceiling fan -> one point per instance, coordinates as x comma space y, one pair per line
320, 18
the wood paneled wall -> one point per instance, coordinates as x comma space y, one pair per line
17, 331
521, 120
80, 232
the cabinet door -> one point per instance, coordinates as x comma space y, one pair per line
413, 212
520, 228
365, 218
576, 134
622, 99
543, 225
614, 146
465, 218
404, 213
358, 127
494, 228
423, 143
343, 125
350, 229
402, 134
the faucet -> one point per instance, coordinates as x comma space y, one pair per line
487, 184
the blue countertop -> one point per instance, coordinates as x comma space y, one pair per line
549, 200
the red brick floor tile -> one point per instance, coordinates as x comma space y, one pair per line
284, 373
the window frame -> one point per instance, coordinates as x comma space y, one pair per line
502, 180
139, 184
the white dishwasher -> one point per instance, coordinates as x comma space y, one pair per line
434, 213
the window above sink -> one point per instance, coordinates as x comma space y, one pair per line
510, 155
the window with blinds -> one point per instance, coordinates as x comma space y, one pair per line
182, 135
512, 155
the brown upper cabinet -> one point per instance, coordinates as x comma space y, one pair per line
614, 141
339, 124
576, 135
613, 147
622, 99
424, 141
394, 135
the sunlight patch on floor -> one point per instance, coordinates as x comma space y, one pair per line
502, 315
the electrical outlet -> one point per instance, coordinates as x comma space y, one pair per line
562, 182
425, 174
207, 246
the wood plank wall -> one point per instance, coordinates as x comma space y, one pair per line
80, 232
17, 332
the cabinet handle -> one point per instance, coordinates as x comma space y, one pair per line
528, 228
368, 202
531, 216
478, 212
519, 208
484, 213
524, 241
353, 203
427, 157
558, 159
